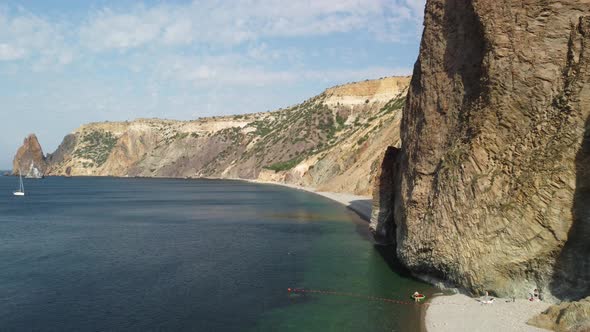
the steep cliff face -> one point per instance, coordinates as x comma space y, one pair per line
491, 189
368, 121
331, 141
29, 157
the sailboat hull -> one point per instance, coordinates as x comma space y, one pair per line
21, 188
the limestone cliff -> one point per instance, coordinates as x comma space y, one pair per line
491, 190
29, 158
331, 141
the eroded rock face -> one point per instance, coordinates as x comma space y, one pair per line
493, 184
565, 317
29, 157
64, 150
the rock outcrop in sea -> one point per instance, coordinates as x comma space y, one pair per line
29, 158
332, 141
491, 187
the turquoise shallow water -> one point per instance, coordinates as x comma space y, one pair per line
189, 255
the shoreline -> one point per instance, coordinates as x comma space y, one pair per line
459, 312
361, 205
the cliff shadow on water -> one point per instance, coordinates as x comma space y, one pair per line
361, 207
572, 269
387, 252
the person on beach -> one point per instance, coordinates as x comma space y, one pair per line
486, 299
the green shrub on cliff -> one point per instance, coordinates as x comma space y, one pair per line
392, 105
284, 165
96, 146
341, 120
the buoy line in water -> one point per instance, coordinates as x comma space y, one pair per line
368, 297
361, 296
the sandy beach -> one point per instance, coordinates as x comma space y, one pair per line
462, 313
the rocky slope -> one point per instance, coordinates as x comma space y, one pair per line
332, 141
491, 188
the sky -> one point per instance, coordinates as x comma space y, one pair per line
64, 63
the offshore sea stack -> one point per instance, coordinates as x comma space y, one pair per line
491, 189
29, 158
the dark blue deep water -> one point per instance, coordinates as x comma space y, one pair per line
107, 254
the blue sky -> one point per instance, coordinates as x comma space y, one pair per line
68, 62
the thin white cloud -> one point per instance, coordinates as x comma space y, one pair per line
9, 52
110, 30
178, 32
236, 71
24, 35
236, 22
417, 7
201, 24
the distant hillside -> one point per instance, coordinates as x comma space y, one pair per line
332, 141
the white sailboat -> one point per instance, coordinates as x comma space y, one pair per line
21, 189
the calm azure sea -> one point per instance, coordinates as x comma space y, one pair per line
110, 254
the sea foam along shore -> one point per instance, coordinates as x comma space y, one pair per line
460, 312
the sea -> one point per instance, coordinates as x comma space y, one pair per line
134, 254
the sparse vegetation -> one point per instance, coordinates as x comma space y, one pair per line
392, 105
284, 165
96, 146
178, 136
263, 128
340, 120
362, 140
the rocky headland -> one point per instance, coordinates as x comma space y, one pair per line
332, 142
491, 187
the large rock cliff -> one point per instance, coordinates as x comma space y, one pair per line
29, 158
331, 141
491, 188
